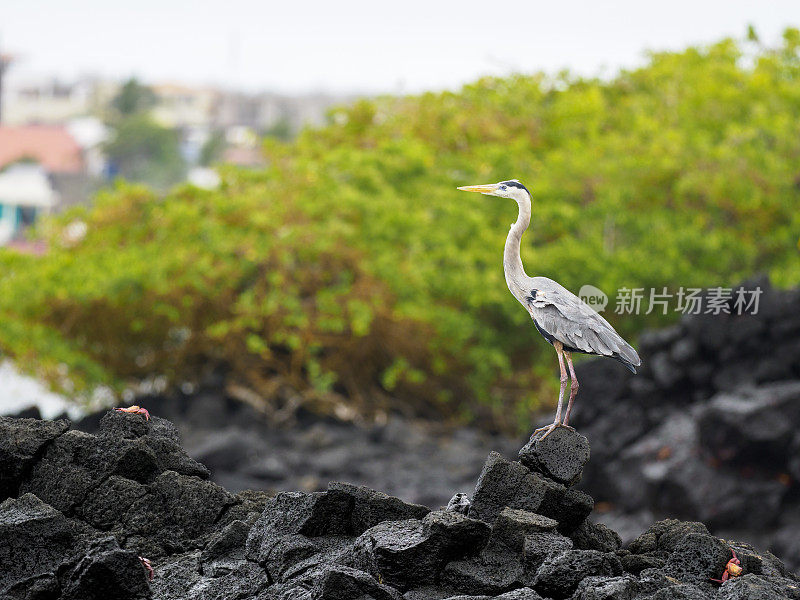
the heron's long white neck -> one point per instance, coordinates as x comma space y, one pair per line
512, 262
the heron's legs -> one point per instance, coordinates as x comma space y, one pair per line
573, 388
557, 423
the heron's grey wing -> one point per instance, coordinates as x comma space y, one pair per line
565, 317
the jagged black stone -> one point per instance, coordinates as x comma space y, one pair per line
79, 509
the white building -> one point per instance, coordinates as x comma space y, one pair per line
51, 101
25, 193
90, 133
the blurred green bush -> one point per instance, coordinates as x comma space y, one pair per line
351, 271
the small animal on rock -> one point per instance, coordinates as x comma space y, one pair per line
135, 410
732, 569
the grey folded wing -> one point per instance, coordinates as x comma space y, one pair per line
562, 315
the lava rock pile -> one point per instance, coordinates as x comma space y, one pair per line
79, 510
243, 450
708, 430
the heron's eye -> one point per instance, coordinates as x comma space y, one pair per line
503, 188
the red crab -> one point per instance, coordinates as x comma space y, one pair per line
732, 569
135, 410
146, 564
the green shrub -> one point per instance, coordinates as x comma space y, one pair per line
351, 274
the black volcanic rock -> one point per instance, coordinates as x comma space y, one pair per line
520, 594
35, 539
572, 510
697, 558
412, 552
636, 563
596, 587
457, 534
653, 580
495, 571
175, 514
225, 548
750, 587
595, 536
73, 465
752, 427
665, 536
336, 582
368, 507
539, 546
513, 525
560, 574
77, 466
560, 456
105, 572
22, 441
402, 553
759, 562
104, 500
683, 591
504, 483
46, 555
156, 434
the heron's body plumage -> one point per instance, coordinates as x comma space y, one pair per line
560, 315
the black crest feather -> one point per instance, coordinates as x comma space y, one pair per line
516, 184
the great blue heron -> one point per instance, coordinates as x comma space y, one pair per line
562, 318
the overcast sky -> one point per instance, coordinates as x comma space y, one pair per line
359, 46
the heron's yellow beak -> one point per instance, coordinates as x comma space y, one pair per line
488, 188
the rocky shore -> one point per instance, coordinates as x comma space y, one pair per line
79, 510
708, 430
243, 450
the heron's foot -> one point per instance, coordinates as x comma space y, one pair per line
547, 430
565, 426
138, 410
550, 429
146, 564
546, 427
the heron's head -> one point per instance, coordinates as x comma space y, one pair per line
504, 189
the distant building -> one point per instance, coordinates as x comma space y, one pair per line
262, 112
243, 147
51, 146
237, 108
60, 126
311, 109
180, 106
42, 169
90, 133
52, 101
25, 192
